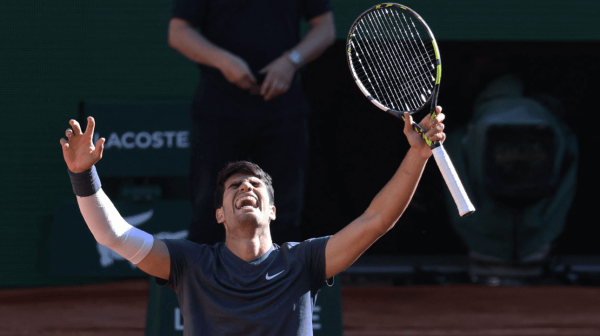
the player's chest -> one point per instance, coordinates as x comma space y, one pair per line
277, 273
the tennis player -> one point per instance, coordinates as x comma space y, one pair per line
247, 285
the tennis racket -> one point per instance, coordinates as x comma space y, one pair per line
395, 62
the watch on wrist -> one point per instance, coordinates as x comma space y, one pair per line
295, 57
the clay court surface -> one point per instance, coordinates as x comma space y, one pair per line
119, 309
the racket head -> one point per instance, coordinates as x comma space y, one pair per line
394, 59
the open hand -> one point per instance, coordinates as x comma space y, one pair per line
79, 152
434, 131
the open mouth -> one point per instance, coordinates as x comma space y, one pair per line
246, 202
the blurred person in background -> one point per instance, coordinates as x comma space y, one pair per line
249, 103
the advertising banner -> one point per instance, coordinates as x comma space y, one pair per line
145, 138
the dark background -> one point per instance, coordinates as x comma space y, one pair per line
56, 54
355, 148
358, 147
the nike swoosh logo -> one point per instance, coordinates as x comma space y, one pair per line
272, 276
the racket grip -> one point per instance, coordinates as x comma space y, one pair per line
457, 190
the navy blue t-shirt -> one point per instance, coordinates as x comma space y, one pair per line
221, 294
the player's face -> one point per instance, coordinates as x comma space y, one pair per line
245, 200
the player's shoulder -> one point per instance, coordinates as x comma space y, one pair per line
185, 242
187, 248
305, 246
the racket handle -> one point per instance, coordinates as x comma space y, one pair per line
457, 190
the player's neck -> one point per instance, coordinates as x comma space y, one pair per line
249, 248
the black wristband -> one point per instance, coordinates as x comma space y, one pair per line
86, 183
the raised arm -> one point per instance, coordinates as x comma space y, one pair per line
386, 208
104, 221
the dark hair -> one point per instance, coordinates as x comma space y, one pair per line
242, 167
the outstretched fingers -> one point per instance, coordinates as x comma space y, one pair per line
74, 132
64, 143
99, 149
91, 125
79, 152
76, 129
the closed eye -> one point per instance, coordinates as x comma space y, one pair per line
234, 185
256, 183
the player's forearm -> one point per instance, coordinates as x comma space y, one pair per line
111, 230
318, 39
194, 46
346, 246
389, 204
105, 222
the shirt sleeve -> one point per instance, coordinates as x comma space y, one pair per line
179, 252
313, 8
312, 253
190, 10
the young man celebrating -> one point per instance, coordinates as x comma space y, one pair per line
248, 285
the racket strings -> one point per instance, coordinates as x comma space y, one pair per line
378, 75
374, 75
411, 55
391, 60
413, 60
429, 52
403, 77
421, 55
381, 91
389, 63
368, 32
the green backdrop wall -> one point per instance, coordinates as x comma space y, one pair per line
55, 54
493, 20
